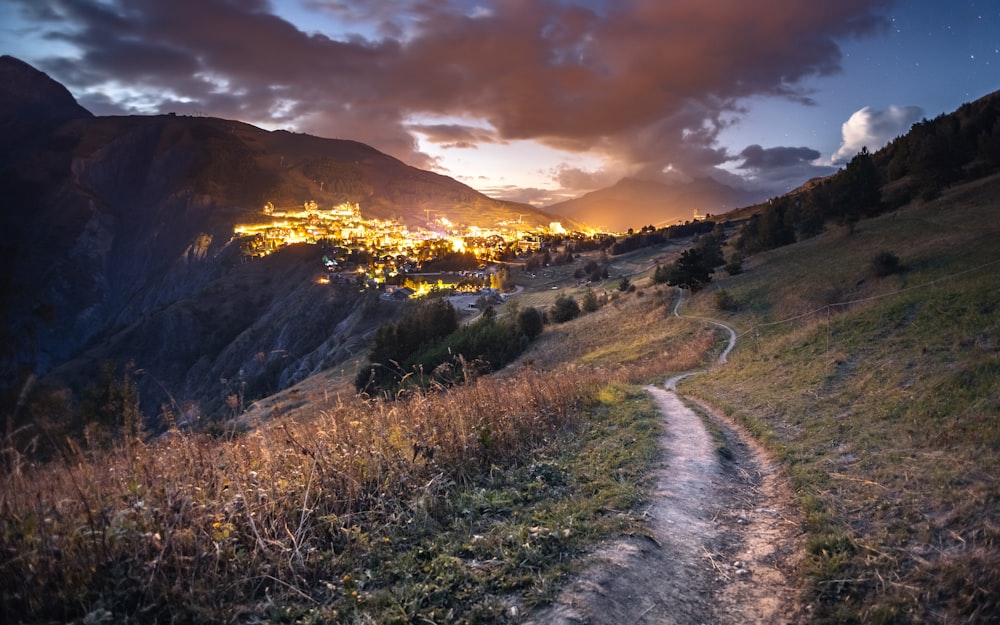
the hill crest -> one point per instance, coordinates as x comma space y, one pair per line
635, 202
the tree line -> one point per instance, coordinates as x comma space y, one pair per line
933, 155
428, 347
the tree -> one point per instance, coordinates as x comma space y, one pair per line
690, 271
530, 322
113, 404
661, 274
768, 229
861, 190
589, 302
395, 343
711, 245
564, 309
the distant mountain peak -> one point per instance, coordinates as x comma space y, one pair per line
636, 202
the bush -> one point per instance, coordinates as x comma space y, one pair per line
564, 309
885, 263
735, 265
424, 325
725, 302
530, 322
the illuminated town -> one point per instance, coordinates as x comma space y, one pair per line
384, 251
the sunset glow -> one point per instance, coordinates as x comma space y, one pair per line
536, 102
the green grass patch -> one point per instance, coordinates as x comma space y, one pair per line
880, 396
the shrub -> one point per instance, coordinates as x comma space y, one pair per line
530, 322
735, 265
885, 263
725, 301
590, 303
395, 343
564, 309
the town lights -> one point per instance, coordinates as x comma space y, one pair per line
380, 248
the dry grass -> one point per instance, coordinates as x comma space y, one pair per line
635, 335
323, 513
144, 529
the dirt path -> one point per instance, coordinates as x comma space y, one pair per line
723, 538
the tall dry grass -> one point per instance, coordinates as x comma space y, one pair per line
189, 528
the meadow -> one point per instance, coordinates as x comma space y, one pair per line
880, 396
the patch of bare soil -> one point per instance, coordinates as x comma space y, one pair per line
722, 545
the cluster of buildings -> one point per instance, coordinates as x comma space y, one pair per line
380, 250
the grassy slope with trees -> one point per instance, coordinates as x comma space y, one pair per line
873, 380
880, 396
462, 506
869, 362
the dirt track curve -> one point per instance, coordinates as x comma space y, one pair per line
723, 537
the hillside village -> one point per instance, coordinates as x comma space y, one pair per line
384, 251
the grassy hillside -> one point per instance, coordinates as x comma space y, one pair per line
881, 395
878, 394
460, 507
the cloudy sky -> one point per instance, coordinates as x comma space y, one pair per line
535, 100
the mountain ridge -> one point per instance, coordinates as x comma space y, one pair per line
634, 202
118, 239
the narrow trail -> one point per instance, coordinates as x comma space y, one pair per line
722, 535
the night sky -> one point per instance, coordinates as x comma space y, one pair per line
535, 100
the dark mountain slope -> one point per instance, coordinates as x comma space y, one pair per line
115, 234
31, 103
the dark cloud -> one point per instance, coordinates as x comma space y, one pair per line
454, 135
644, 83
756, 157
780, 169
